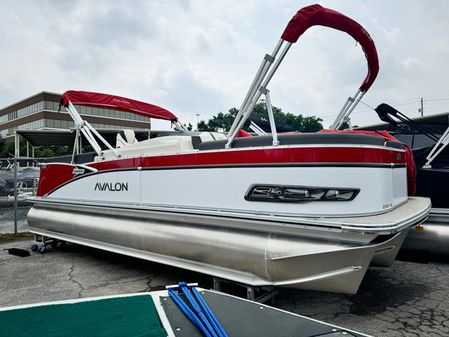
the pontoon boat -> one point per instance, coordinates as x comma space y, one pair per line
311, 211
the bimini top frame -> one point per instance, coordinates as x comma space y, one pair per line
304, 19
71, 97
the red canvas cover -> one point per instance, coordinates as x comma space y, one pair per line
242, 133
99, 100
317, 15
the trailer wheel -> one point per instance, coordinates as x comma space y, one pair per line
34, 247
42, 250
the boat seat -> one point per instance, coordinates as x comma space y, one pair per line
301, 138
125, 138
166, 144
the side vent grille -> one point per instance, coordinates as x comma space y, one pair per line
284, 193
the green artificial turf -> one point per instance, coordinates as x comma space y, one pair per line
134, 316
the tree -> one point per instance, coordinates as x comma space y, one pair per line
43, 152
202, 126
223, 121
7, 149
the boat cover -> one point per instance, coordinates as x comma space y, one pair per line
131, 316
317, 15
99, 100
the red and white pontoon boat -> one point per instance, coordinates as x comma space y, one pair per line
309, 211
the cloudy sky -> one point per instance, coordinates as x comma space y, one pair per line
198, 56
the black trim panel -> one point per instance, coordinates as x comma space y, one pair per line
298, 194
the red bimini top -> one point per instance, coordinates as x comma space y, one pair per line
317, 15
99, 100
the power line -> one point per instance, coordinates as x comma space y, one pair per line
437, 99
397, 103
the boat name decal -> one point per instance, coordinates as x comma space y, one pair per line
121, 100
111, 187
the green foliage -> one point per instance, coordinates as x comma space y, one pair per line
223, 121
7, 150
202, 126
43, 152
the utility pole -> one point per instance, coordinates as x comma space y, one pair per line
421, 110
197, 121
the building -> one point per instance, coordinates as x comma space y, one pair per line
41, 111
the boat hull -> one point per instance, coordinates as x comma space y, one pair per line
251, 251
227, 188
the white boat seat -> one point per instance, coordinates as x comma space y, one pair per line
125, 137
163, 145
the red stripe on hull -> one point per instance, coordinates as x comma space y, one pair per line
262, 156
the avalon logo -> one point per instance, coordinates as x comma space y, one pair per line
111, 187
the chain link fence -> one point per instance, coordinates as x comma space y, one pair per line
18, 181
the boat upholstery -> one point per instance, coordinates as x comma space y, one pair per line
167, 144
126, 137
300, 139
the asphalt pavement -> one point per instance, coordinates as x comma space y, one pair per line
407, 299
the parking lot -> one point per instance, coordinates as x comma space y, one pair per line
408, 299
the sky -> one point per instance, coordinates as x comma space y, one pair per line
199, 57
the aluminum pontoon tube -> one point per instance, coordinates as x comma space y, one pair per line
305, 261
432, 236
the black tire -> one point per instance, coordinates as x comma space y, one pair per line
42, 250
34, 247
